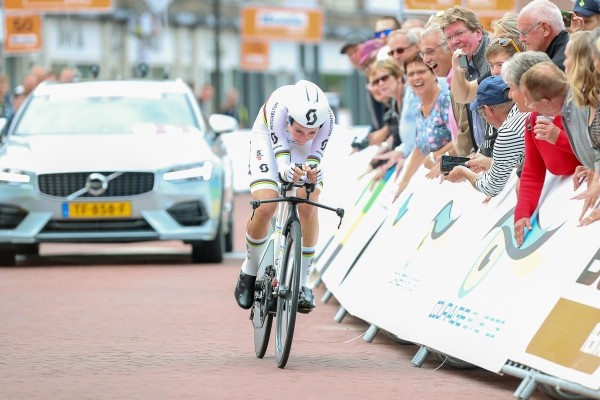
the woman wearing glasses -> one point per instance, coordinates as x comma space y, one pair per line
387, 79
433, 134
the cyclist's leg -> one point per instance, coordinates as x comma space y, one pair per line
263, 170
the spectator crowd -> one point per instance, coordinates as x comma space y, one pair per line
522, 96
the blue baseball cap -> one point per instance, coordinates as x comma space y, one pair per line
491, 91
587, 8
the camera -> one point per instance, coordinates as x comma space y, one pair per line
447, 163
463, 61
566, 16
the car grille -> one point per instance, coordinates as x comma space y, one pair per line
127, 184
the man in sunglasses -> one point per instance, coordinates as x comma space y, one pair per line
541, 28
403, 45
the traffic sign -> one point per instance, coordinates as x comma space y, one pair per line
22, 33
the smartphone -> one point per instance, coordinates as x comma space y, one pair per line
462, 61
567, 16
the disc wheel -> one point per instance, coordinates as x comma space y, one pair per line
262, 319
288, 293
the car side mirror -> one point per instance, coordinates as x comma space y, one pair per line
221, 123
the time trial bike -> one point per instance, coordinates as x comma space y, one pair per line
277, 287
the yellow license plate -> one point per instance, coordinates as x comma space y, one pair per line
113, 209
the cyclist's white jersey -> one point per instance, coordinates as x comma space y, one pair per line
272, 148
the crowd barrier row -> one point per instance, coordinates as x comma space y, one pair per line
439, 268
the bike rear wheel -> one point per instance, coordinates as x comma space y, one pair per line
289, 291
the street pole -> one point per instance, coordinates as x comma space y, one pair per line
217, 81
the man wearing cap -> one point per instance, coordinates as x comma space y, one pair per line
496, 107
351, 48
589, 10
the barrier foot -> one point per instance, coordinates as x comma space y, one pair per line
526, 388
340, 314
326, 297
371, 333
420, 356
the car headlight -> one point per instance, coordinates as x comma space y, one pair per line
197, 172
13, 176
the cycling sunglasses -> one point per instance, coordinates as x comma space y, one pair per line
506, 42
383, 33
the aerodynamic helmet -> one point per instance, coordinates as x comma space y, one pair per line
307, 105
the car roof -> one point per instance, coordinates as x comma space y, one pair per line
132, 88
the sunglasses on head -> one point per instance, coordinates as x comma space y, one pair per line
506, 42
383, 33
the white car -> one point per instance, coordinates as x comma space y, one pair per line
113, 162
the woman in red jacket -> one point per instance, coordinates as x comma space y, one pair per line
547, 147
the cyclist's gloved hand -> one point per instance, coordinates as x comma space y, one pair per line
290, 173
314, 174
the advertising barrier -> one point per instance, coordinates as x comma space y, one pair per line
439, 268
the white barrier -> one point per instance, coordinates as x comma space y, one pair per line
439, 268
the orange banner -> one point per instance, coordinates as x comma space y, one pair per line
58, 5
22, 33
254, 56
298, 25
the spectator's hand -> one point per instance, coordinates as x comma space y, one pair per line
577, 23
591, 218
379, 174
403, 184
434, 172
544, 129
590, 198
582, 174
479, 163
456, 175
520, 226
455, 64
486, 200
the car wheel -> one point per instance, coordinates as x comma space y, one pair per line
229, 234
210, 251
7, 256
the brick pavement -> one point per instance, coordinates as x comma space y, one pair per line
149, 325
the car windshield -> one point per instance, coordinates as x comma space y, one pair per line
65, 115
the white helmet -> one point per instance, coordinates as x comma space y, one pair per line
308, 105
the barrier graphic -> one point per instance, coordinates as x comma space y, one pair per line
439, 268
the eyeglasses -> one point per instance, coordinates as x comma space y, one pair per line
479, 110
399, 50
419, 72
376, 82
383, 33
456, 35
525, 33
429, 52
505, 42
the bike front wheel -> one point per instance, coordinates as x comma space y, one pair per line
289, 291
